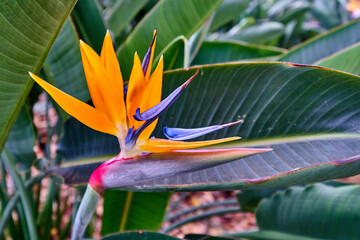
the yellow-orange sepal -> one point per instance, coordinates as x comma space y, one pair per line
83, 112
162, 145
103, 88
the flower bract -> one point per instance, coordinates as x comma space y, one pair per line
128, 112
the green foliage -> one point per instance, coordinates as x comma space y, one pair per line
306, 114
322, 212
24, 45
132, 212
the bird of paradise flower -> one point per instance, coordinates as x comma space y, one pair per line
132, 123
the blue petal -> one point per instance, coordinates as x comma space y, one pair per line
158, 109
132, 135
126, 88
186, 133
146, 60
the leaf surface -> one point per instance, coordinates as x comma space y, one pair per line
227, 11
63, 65
308, 115
229, 51
324, 45
21, 141
346, 60
126, 211
28, 30
172, 18
122, 13
318, 212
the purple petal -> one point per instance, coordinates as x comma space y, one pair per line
132, 135
146, 60
126, 172
158, 109
186, 133
126, 88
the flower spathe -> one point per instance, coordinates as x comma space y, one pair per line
133, 121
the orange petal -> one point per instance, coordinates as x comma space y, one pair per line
152, 96
163, 145
148, 71
104, 92
135, 92
111, 64
86, 114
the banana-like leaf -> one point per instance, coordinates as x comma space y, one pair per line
126, 211
122, 12
227, 11
308, 115
140, 235
229, 51
345, 60
172, 18
286, 11
28, 30
249, 200
260, 33
21, 141
317, 212
63, 66
89, 23
329, 12
324, 45
176, 54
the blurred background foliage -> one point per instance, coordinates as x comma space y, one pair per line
43, 37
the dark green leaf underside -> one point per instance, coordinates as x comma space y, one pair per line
322, 212
229, 51
324, 45
308, 115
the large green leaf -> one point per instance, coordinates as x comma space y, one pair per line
176, 54
172, 18
28, 29
227, 11
259, 33
249, 200
227, 51
63, 65
21, 141
319, 212
140, 235
125, 211
345, 60
89, 23
324, 44
301, 112
286, 11
330, 12
122, 12
308, 115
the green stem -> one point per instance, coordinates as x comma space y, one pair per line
84, 213
23, 222
22, 194
4, 200
44, 221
